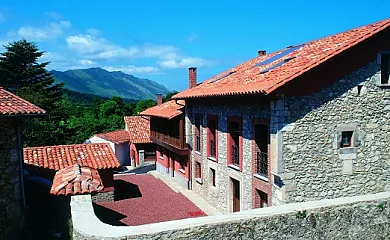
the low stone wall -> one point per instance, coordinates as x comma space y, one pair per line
104, 197
362, 217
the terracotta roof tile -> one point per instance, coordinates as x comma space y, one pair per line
167, 110
94, 155
138, 128
117, 136
10, 104
76, 179
247, 78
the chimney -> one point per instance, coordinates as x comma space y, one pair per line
261, 53
159, 99
192, 77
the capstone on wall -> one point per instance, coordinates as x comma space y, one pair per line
220, 195
315, 166
11, 205
362, 217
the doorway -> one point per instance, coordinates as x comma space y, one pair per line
172, 159
235, 195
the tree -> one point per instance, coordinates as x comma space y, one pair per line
169, 96
143, 105
23, 74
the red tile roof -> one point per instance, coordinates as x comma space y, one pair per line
95, 155
117, 136
167, 110
10, 104
138, 128
247, 78
76, 179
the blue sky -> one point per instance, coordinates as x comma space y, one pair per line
159, 40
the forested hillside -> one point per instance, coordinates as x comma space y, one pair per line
103, 83
72, 116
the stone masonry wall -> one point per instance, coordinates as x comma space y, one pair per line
103, 197
11, 210
359, 218
314, 164
219, 196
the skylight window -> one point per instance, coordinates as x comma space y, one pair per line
276, 65
228, 74
279, 56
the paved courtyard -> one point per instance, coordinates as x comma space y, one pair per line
142, 199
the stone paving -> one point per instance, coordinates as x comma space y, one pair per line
191, 195
143, 199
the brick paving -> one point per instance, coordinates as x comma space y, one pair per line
143, 199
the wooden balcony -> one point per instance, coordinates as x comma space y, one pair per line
171, 143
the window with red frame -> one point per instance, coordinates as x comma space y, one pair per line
212, 177
261, 199
197, 133
234, 143
212, 136
198, 170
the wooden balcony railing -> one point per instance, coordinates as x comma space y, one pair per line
197, 143
235, 155
167, 139
213, 149
262, 164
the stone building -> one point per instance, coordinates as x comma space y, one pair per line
13, 110
304, 123
167, 132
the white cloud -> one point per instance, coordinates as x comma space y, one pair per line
94, 32
47, 32
54, 15
133, 69
184, 62
192, 37
86, 62
100, 48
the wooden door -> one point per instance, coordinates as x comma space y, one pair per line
236, 195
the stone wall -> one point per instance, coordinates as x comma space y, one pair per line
104, 196
314, 165
11, 198
220, 195
360, 217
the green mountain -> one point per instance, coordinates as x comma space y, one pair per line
103, 83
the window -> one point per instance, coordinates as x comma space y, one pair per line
346, 139
198, 171
385, 68
261, 199
234, 141
212, 136
212, 177
197, 133
261, 147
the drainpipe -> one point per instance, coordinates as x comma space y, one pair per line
20, 158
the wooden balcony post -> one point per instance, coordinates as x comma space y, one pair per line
181, 132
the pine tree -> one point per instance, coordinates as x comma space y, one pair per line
22, 73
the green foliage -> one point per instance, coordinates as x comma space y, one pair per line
381, 206
108, 84
143, 105
169, 96
301, 214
